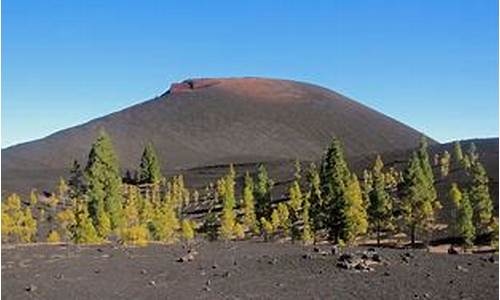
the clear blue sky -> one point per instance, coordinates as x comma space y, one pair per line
430, 64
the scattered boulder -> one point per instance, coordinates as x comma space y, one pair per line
206, 289
359, 262
152, 283
362, 266
186, 258
462, 269
144, 272
31, 288
307, 256
452, 250
335, 250
490, 259
59, 276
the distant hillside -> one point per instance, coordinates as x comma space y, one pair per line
215, 121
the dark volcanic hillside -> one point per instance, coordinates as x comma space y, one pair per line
214, 121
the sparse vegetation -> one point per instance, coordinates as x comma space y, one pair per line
97, 205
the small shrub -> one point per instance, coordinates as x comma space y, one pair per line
53, 237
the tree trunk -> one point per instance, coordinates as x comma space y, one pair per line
413, 233
378, 233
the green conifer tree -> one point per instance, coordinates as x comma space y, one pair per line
480, 199
18, 224
455, 195
262, 192
463, 225
84, 231
458, 153
295, 203
76, 181
418, 205
104, 181
314, 197
307, 232
431, 194
356, 211
149, 171
267, 228
472, 153
133, 231
249, 217
380, 204
165, 223
334, 179
225, 188
444, 164
187, 228
283, 221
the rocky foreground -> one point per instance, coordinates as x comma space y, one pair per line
243, 270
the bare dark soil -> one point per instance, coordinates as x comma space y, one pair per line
240, 270
236, 120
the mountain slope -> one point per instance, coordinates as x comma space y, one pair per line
213, 121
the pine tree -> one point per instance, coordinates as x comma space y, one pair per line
334, 179
464, 227
150, 166
18, 224
84, 231
480, 199
165, 223
225, 188
133, 231
239, 231
62, 191
67, 221
53, 237
418, 205
494, 237
179, 193
283, 221
249, 217
356, 212
275, 220
104, 181
33, 197
367, 187
457, 150
431, 194
307, 232
267, 228
263, 193
103, 226
295, 204
298, 170
314, 197
187, 228
444, 164
472, 153
76, 181
455, 195
380, 204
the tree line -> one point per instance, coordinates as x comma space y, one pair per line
323, 202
